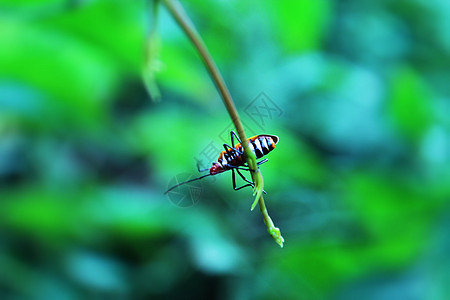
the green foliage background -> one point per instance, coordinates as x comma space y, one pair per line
358, 184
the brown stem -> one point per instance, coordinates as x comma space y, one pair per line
184, 22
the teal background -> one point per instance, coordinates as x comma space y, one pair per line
358, 184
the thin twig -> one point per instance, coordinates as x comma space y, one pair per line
184, 22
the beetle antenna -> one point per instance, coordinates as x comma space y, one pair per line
184, 182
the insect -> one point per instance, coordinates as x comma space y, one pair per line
233, 158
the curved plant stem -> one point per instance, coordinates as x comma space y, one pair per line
184, 22
152, 49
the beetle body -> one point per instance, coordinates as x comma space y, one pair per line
234, 157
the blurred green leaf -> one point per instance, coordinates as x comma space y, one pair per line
409, 103
75, 78
118, 32
304, 164
301, 25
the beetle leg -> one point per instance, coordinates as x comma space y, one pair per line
243, 177
226, 147
262, 161
247, 168
246, 180
234, 135
238, 168
233, 178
